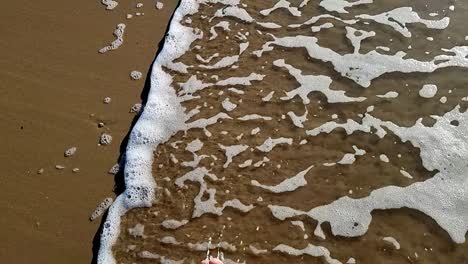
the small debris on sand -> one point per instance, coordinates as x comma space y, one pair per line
75, 170
129, 16
159, 5
70, 152
101, 124
106, 139
59, 167
40, 171
136, 108
115, 169
101, 208
107, 100
138, 5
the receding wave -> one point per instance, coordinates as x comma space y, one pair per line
300, 131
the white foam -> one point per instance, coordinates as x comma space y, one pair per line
255, 131
311, 83
319, 28
245, 164
363, 68
136, 108
268, 97
162, 117
399, 17
443, 99
136, 75
236, 91
298, 121
388, 95
234, 11
257, 251
288, 185
137, 231
270, 143
442, 197
114, 169
340, 5
231, 152
70, 152
406, 174
159, 5
392, 241
223, 25
105, 139
270, 25
110, 4
356, 36
428, 91
282, 4
254, 117
118, 33
228, 105
314, 20
261, 162
201, 59
169, 240
173, 224
299, 224
384, 158
101, 208
350, 158
311, 250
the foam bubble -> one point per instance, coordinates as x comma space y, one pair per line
118, 33
136, 75
340, 5
105, 139
288, 185
428, 91
282, 4
101, 208
70, 152
271, 143
110, 4
392, 241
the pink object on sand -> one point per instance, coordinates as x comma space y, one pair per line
205, 261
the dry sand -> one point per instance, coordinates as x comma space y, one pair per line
52, 79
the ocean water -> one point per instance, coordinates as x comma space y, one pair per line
325, 131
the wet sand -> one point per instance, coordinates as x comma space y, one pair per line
53, 81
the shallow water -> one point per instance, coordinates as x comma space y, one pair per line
298, 144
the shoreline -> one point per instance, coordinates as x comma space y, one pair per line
55, 82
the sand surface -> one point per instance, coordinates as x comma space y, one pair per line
53, 81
